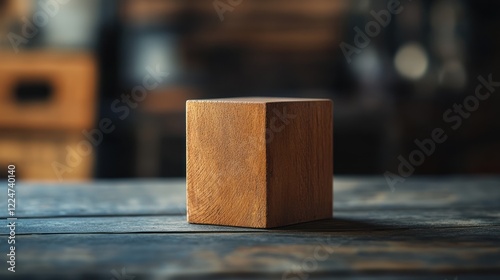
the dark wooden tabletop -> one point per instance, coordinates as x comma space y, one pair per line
428, 228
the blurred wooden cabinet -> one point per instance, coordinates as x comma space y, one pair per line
46, 100
34, 154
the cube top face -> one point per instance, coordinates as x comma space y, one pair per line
259, 162
259, 100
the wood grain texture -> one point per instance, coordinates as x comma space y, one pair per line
437, 254
299, 161
226, 163
259, 162
168, 197
429, 228
101, 198
345, 221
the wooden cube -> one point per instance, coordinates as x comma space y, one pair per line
259, 162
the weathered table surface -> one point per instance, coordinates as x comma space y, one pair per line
428, 228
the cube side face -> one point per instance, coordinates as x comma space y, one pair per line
226, 161
299, 139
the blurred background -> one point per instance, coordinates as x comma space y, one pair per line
84, 90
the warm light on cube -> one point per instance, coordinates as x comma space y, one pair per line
259, 162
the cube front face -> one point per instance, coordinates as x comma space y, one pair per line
226, 163
259, 162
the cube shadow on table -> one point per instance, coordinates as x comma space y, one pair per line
259, 162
